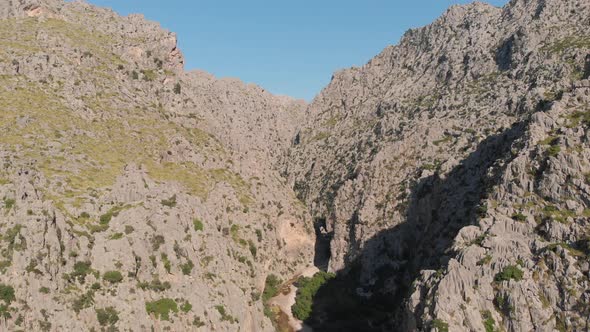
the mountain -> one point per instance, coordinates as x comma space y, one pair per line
447, 176
135, 196
443, 186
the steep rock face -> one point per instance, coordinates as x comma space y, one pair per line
399, 156
129, 196
524, 266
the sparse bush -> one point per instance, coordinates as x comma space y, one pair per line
81, 270
484, 261
177, 88
170, 202
186, 307
187, 268
488, 321
224, 315
553, 150
9, 203
129, 229
149, 75
198, 225
113, 277
155, 285
198, 322
85, 300
107, 316
7, 293
519, 217
271, 287
440, 325
157, 241
162, 308
252, 248
116, 236
134, 75
166, 261
509, 272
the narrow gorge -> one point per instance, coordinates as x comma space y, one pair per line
442, 186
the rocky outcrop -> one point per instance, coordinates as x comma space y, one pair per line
446, 181
135, 196
400, 157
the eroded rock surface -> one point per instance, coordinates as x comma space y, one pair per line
425, 177
135, 196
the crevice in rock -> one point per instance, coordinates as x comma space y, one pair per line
323, 238
586, 74
504, 54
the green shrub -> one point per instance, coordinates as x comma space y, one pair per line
161, 308
155, 285
166, 261
187, 268
170, 202
488, 321
177, 88
198, 225
106, 218
7, 293
107, 316
440, 325
553, 151
85, 300
129, 229
224, 315
519, 217
198, 322
9, 203
271, 287
44, 290
116, 236
113, 277
509, 272
5, 312
186, 307
149, 75
134, 75
81, 270
486, 260
252, 248
157, 241
306, 290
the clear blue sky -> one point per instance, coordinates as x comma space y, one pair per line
287, 47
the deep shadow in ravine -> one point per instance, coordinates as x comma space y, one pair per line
438, 208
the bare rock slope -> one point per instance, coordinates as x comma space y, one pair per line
135, 196
446, 181
447, 177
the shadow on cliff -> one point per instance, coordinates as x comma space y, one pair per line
372, 293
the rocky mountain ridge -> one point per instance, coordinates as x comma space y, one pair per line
445, 181
134, 195
401, 157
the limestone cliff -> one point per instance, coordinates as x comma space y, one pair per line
134, 195
405, 166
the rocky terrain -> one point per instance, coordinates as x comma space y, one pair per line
447, 178
446, 182
135, 196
